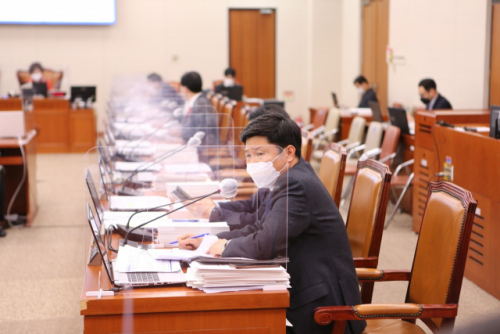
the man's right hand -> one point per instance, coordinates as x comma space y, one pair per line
186, 242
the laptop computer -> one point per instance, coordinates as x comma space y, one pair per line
335, 100
134, 279
376, 112
12, 124
398, 118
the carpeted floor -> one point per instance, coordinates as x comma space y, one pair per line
41, 268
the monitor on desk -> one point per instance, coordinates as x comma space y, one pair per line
40, 88
495, 122
83, 92
233, 92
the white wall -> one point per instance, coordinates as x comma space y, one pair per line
149, 33
446, 40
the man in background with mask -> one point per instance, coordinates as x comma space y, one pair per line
229, 87
41, 86
292, 206
430, 97
367, 93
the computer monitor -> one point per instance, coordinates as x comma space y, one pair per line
495, 122
398, 118
376, 112
233, 92
40, 88
276, 102
83, 92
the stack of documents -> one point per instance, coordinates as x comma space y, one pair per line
213, 278
170, 232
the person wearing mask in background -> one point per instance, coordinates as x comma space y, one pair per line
430, 96
292, 207
40, 85
198, 113
229, 87
160, 91
367, 93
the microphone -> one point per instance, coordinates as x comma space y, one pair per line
192, 142
228, 188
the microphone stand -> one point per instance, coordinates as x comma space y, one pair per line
166, 214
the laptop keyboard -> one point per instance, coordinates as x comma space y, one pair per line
143, 277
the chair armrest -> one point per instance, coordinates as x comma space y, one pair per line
366, 262
353, 145
370, 154
324, 136
353, 150
325, 315
390, 156
316, 132
307, 127
343, 142
403, 165
371, 274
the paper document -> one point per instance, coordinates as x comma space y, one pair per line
133, 166
184, 254
131, 259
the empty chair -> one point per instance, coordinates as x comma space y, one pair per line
402, 182
331, 171
366, 216
356, 134
325, 134
318, 119
435, 280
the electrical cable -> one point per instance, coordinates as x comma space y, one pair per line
20, 183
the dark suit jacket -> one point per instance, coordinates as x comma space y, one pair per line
441, 103
321, 264
369, 95
201, 118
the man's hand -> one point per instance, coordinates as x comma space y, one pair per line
186, 242
217, 248
202, 208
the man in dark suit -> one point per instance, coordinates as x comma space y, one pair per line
427, 89
160, 91
367, 93
198, 114
229, 87
291, 215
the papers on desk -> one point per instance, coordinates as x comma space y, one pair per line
213, 278
130, 203
123, 166
360, 111
170, 232
119, 177
131, 259
184, 254
194, 189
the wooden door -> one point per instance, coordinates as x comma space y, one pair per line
495, 57
252, 50
375, 41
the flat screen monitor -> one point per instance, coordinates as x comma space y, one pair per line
495, 122
54, 12
83, 92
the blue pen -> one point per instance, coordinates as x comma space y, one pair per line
185, 220
195, 237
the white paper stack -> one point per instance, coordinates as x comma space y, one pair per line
131, 259
170, 232
213, 278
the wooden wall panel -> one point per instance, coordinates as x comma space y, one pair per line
495, 57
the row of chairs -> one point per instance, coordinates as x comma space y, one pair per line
319, 134
435, 280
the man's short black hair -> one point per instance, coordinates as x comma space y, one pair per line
360, 80
155, 77
230, 71
270, 108
192, 81
279, 130
427, 84
35, 66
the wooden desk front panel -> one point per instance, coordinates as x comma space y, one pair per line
51, 116
82, 129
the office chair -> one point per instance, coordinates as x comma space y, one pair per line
435, 280
54, 76
331, 170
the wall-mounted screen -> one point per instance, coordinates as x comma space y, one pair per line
71, 12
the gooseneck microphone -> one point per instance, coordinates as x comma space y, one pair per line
228, 189
192, 142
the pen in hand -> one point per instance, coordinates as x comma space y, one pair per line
195, 237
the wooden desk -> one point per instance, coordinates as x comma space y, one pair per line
26, 202
476, 161
426, 165
60, 129
180, 310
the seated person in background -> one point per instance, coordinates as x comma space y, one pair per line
198, 113
321, 265
367, 93
40, 85
430, 96
160, 91
228, 87
266, 109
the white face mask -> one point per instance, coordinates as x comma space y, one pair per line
263, 174
361, 90
36, 77
228, 82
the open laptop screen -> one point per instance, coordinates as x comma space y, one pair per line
94, 195
94, 227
